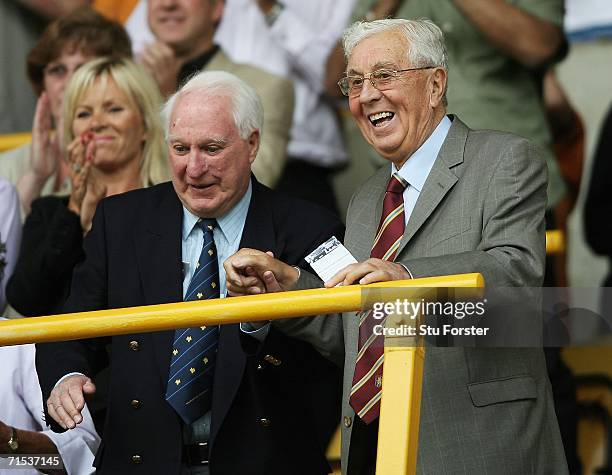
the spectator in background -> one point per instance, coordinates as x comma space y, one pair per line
67, 43
184, 45
22, 427
10, 235
116, 144
21, 421
21, 23
293, 38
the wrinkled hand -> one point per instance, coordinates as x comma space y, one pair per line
368, 272
163, 65
250, 272
5, 434
45, 152
67, 400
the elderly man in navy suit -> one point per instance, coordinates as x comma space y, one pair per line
222, 400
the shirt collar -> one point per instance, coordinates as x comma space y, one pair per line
416, 169
228, 223
195, 65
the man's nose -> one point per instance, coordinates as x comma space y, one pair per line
197, 165
368, 92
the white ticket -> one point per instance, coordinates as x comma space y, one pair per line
329, 258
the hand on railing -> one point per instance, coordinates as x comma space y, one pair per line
368, 272
67, 400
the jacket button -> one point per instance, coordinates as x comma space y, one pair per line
135, 403
134, 345
272, 360
259, 367
347, 421
136, 459
265, 422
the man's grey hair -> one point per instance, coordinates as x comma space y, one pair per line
425, 39
247, 109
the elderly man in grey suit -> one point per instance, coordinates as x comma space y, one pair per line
452, 200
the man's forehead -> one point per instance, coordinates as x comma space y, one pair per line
200, 105
388, 49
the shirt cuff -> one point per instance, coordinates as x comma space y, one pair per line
407, 270
66, 376
259, 334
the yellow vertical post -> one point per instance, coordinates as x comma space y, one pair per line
400, 410
402, 384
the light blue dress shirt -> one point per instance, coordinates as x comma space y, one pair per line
227, 235
416, 169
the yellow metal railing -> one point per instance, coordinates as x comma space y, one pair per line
10, 141
404, 358
121, 321
555, 241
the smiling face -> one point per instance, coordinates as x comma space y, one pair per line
187, 26
211, 163
114, 122
398, 120
57, 74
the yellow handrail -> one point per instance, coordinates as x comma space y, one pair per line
10, 141
403, 369
555, 241
121, 321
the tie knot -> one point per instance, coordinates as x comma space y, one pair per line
207, 224
396, 184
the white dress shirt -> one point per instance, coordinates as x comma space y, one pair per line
21, 406
296, 46
10, 234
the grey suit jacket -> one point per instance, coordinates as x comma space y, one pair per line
481, 210
277, 97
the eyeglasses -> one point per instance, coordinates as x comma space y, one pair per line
381, 79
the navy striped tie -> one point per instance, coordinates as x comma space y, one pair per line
194, 351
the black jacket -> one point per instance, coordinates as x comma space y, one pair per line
51, 245
134, 258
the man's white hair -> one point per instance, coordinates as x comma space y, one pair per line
425, 39
247, 109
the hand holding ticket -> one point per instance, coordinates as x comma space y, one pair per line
329, 258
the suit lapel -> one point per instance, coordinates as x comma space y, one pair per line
158, 248
360, 243
440, 180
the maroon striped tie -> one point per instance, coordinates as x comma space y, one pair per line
367, 380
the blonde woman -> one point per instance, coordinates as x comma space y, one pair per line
114, 144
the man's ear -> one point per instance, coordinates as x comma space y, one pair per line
253, 141
438, 82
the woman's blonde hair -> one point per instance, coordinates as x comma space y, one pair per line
144, 95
